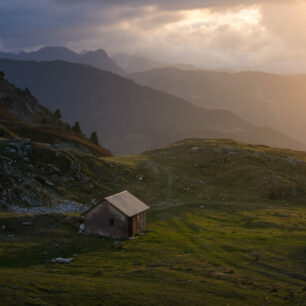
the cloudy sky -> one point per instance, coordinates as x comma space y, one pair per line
265, 35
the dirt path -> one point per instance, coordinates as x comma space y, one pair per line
160, 171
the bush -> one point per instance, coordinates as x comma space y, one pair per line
58, 114
94, 138
77, 128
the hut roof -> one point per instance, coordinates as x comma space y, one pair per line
127, 203
124, 201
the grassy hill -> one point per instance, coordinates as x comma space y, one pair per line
22, 116
226, 227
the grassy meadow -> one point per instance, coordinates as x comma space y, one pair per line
227, 226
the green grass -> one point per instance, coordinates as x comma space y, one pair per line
191, 255
224, 229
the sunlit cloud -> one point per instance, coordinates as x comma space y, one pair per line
250, 34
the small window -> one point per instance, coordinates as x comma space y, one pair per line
111, 222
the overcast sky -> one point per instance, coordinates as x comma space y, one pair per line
263, 35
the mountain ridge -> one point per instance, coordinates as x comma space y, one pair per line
134, 118
98, 58
264, 99
136, 63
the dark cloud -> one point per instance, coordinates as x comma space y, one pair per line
157, 29
31, 23
165, 4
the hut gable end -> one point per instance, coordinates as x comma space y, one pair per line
106, 220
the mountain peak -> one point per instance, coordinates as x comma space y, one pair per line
97, 58
97, 52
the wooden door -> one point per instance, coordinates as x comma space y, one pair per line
130, 227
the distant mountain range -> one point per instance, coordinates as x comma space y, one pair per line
98, 58
276, 101
135, 63
129, 118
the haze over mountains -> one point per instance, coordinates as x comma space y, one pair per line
135, 63
129, 118
276, 101
97, 58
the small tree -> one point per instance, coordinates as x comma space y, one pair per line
1, 74
67, 126
77, 128
27, 91
94, 138
58, 114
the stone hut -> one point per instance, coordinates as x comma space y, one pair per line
119, 216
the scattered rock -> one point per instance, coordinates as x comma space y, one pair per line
66, 207
27, 223
195, 149
48, 183
82, 227
6, 158
62, 260
11, 150
140, 177
53, 168
93, 202
292, 161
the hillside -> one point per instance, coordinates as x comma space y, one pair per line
275, 101
22, 116
223, 170
219, 213
130, 118
97, 58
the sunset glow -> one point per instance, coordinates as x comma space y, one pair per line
207, 18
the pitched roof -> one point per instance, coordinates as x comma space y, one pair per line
127, 203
